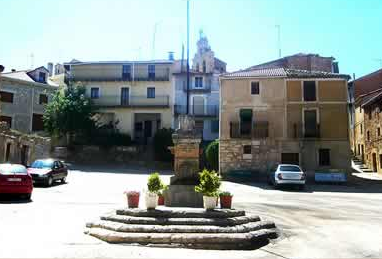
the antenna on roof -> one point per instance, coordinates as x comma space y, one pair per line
279, 38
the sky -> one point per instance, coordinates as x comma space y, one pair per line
241, 32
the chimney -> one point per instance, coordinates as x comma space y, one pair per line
336, 69
171, 55
1, 68
50, 68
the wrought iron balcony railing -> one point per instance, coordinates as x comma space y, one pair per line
131, 101
256, 130
193, 88
197, 110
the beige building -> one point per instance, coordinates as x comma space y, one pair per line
280, 115
136, 97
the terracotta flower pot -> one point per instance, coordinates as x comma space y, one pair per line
160, 200
133, 201
225, 202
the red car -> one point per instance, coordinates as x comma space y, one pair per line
15, 179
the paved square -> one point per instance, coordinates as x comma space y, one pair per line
324, 221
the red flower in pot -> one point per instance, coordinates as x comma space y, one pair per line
161, 195
225, 200
132, 198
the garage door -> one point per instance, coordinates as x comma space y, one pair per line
290, 158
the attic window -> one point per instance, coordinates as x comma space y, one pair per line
42, 77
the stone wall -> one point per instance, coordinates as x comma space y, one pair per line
23, 148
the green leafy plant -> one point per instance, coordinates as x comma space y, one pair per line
209, 183
212, 154
165, 188
154, 183
225, 193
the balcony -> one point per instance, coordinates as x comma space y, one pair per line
306, 131
132, 101
257, 130
198, 110
194, 89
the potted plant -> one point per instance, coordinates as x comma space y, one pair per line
154, 185
225, 200
161, 195
209, 186
132, 198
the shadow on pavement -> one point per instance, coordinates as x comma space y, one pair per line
13, 198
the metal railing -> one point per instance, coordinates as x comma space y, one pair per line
132, 101
301, 130
193, 88
197, 110
256, 130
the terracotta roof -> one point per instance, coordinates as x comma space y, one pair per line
282, 72
369, 98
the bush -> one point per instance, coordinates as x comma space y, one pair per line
209, 183
212, 155
154, 183
163, 140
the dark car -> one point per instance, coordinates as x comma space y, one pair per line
46, 171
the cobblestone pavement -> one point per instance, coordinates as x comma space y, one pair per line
329, 221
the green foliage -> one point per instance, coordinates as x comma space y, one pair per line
225, 193
154, 183
212, 154
165, 188
69, 112
163, 140
209, 183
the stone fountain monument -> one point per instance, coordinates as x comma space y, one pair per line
186, 151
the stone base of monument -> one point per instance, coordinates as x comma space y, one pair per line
184, 227
183, 196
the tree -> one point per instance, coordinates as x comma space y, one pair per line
212, 154
163, 140
70, 112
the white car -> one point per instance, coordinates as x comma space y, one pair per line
286, 174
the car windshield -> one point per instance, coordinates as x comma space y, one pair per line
12, 169
42, 164
290, 168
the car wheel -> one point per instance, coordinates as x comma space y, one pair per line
269, 181
27, 196
63, 180
49, 181
301, 187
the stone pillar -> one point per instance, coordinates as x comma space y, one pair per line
186, 150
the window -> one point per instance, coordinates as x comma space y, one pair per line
215, 126
125, 96
368, 135
310, 123
199, 82
94, 93
6, 97
42, 77
378, 131
324, 157
138, 126
369, 114
199, 125
7, 119
247, 150
150, 92
204, 66
43, 99
151, 70
380, 161
309, 91
197, 67
245, 121
360, 110
255, 88
126, 72
361, 128
37, 122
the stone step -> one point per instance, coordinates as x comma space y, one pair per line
181, 213
181, 221
251, 240
133, 228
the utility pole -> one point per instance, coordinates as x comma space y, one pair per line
279, 38
188, 54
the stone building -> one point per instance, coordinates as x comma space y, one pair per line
278, 115
23, 95
310, 62
19, 148
203, 91
372, 135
